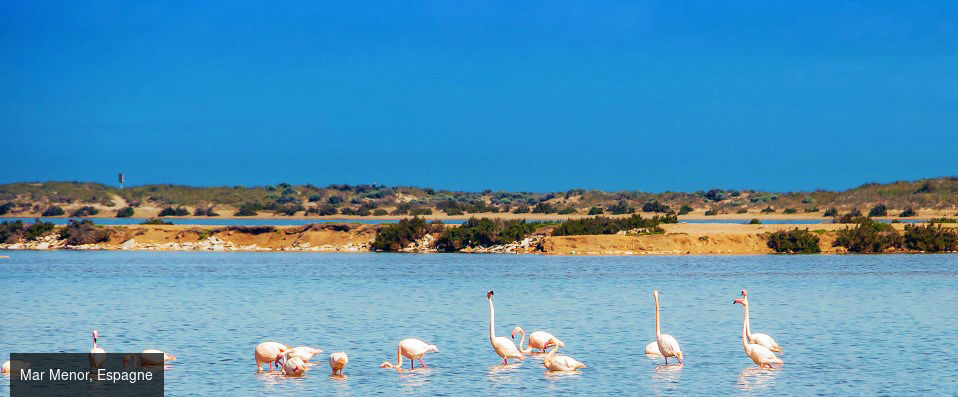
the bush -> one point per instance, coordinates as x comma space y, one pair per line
831, 212
754, 221
327, 209
170, 211
453, 211
314, 198
790, 211
685, 209
715, 195
335, 200
768, 210
869, 237
484, 232
621, 207
420, 211
208, 211
395, 237
521, 209
155, 221
655, 206
942, 220
795, 241
907, 213
380, 212
878, 210
53, 210
83, 232
711, 212
291, 209
742, 211
13, 232
125, 212
544, 208
811, 209
567, 211
84, 211
5, 208
930, 238
604, 225
595, 211
248, 209
255, 230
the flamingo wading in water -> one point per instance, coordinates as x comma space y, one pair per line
760, 339
304, 353
759, 354
337, 361
97, 354
537, 339
412, 349
668, 345
504, 347
552, 362
268, 352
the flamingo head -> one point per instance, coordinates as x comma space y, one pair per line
515, 331
655, 294
168, 357
679, 356
432, 348
744, 294
738, 301
96, 334
489, 294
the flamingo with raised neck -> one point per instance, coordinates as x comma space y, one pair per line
668, 345
759, 354
504, 347
759, 338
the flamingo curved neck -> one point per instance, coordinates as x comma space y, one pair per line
657, 332
745, 328
492, 322
748, 325
523, 332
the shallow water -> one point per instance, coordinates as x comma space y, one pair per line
849, 324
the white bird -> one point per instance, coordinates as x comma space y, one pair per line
652, 348
412, 349
337, 361
537, 339
759, 354
268, 352
668, 345
304, 353
149, 356
504, 347
5, 369
97, 355
293, 366
758, 338
552, 362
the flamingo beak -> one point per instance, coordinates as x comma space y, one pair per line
737, 301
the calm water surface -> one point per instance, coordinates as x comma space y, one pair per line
848, 324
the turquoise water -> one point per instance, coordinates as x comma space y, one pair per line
849, 324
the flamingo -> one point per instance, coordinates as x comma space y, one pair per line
537, 339
668, 345
6, 367
759, 354
97, 355
337, 361
504, 347
268, 352
560, 363
150, 356
304, 353
412, 349
293, 366
652, 348
760, 339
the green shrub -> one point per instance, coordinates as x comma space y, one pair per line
604, 225
85, 210
795, 241
53, 210
685, 209
807, 200
314, 198
831, 212
595, 211
420, 211
380, 212
754, 221
291, 209
5, 208
248, 209
790, 211
484, 232
942, 220
155, 221
811, 209
170, 211
521, 209
711, 212
124, 212
869, 237
567, 211
654, 206
335, 200
453, 211
930, 238
621, 207
83, 232
715, 195
907, 213
544, 208
742, 211
327, 209
13, 232
204, 211
394, 237
255, 230
878, 210
768, 210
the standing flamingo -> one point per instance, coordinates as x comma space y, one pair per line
268, 352
149, 356
97, 355
537, 339
652, 348
759, 354
293, 366
668, 346
760, 339
560, 363
504, 347
337, 361
304, 353
412, 349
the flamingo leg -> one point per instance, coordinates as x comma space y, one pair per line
423, 364
666, 359
504, 362
412, 363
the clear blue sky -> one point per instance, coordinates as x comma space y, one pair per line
512, 95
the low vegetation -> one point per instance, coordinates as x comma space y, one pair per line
177, 211
53, 210
907, 213
83, 232
124, 212
605, 225
395, 237
795, 241
930, 238
14, 232
83, 211
155, 221
878, 210
869, 237
485, 232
